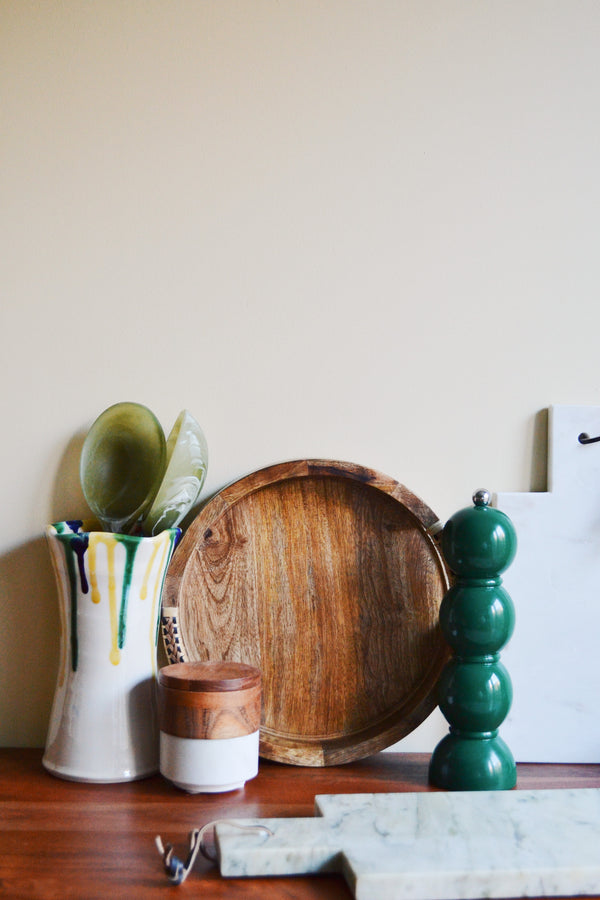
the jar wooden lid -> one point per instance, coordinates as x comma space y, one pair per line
209, 676
209, 700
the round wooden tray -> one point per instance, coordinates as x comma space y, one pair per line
328, 578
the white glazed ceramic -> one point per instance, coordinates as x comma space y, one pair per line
103, 725
207, 766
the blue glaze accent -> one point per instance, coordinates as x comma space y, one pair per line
74, 524
74, 547
79, 544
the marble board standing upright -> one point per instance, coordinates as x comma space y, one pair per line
433, 846
554, 582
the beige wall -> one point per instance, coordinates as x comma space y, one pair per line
359, 230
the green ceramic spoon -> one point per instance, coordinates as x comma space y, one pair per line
122, 465
185, 472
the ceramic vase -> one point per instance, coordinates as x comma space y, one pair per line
103, 724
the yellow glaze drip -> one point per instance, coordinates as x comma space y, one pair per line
110, 542
144, 590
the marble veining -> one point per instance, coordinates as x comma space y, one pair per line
433, 846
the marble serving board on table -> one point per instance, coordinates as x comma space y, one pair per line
433, 845
554, 582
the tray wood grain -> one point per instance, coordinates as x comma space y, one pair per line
327, 577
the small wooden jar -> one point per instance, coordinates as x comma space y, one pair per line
209, 717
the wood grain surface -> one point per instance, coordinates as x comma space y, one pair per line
327, 577
209, 700
61, 840
210, 677
211, 715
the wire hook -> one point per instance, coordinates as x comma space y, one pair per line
584, 438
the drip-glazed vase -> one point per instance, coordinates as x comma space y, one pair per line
103, 724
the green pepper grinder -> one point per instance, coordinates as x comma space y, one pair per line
477, 619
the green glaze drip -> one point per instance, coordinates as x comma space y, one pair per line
174, 535
131, 545
73, 591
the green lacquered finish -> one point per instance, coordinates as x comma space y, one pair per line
475, 694
477, 619
479, 541
478, 762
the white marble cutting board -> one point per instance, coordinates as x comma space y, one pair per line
555, 585
433, 846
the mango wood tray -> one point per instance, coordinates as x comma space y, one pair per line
327, 577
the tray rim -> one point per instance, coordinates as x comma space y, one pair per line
275, 745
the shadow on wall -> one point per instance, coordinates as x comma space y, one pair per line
539, 456
67, 500
29, 643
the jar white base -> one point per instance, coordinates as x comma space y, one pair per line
201, 766
208, 788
